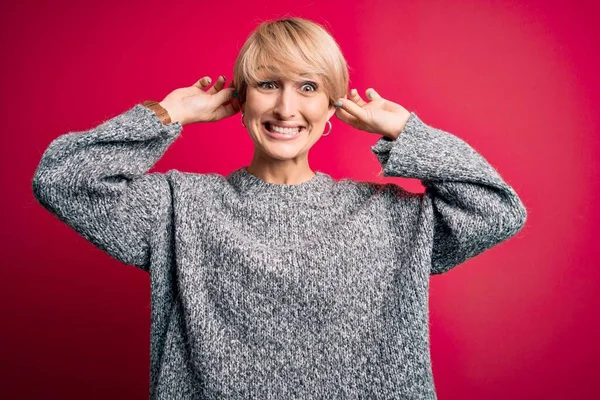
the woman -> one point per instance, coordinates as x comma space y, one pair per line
275, 281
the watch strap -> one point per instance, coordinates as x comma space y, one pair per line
159, 110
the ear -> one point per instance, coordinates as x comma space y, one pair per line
331, 111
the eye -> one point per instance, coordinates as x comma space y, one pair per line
311, 85
262, 84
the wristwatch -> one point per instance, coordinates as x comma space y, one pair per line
159, 110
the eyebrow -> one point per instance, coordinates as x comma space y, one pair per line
276, 70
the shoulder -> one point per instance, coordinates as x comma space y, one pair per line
192, 182
379, 203
368, 189
382, 199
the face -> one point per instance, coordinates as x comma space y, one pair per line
285, 118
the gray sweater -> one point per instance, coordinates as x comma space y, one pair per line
267, 291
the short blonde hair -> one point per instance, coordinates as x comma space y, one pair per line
287, 48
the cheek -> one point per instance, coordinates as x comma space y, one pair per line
252, 103
317, 113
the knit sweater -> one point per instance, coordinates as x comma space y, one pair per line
317, 290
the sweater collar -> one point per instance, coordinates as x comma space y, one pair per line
314, 189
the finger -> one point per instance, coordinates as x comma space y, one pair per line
227, 110
372, 94
353, 109
227, 104
202, 82
219, 84
345, 117
355, 97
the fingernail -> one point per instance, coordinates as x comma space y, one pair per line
208, 80
353, 91
235, 93
338, 103
224, 77
371, 94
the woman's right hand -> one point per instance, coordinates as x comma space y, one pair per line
196, 104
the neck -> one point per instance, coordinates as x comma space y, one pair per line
283, 172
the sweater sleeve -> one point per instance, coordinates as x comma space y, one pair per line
96, 181
466, 205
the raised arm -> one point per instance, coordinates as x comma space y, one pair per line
468, 205
96, 181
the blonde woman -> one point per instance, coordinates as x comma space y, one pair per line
277, 281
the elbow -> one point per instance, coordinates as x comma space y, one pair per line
45, 188
37, 186
521, 214
513, 219
42, 191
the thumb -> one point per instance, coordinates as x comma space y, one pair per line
223, 96
225, 105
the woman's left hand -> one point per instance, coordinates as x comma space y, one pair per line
378, 115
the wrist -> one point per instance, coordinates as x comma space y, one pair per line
172, 111
404, 116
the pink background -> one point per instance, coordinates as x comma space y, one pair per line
518, 80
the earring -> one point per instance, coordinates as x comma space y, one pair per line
243, 120
329, 131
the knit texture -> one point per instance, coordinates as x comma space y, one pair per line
266, 291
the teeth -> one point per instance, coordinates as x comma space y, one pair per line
289, 131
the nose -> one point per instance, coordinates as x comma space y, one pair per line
285, 106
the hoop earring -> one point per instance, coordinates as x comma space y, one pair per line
243, 120
330, 127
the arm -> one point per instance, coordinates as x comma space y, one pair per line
96, 182
468, 205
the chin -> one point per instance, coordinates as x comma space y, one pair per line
282, 154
